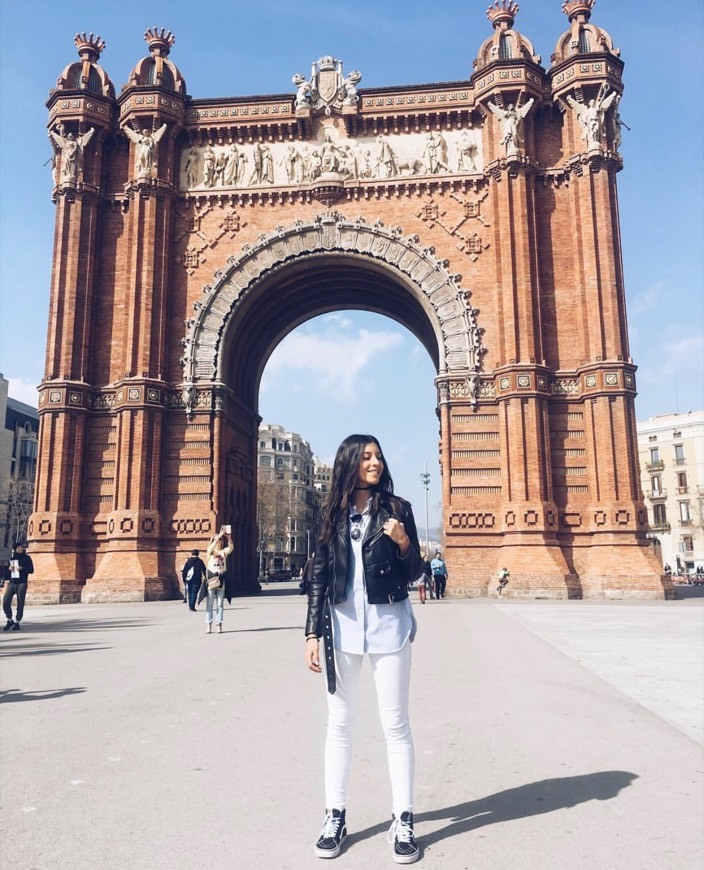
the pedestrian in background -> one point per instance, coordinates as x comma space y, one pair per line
17, 574
192, 573
366, 557
219, 549
439, 569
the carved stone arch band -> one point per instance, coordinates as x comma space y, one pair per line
454, 319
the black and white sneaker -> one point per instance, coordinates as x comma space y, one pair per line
332, 836
9, 625
16, 626
405, 848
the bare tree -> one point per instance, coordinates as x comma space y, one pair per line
20, 498
272, 512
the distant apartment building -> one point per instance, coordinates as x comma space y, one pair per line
287, 500
18, 462
671, 453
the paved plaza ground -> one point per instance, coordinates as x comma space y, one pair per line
548, 735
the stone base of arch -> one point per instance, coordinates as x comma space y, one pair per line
131, 575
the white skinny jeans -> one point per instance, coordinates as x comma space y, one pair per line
392, 673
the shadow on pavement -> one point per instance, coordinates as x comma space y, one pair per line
11, 695
85, 625
533, 799
32, 650
267, 628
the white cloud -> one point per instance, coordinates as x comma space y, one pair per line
333, 360
22, 391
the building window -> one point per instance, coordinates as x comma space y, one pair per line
583, 41
685, 516
676, 434
265, 460
659, 514
682, 482
686, 544
652, 437
679, 454
654, 454
656, 485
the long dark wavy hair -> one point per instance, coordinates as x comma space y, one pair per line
344, 479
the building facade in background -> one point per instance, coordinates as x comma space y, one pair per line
194, 233
287, 499
671, 451
18, 464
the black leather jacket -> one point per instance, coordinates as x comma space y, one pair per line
386, 573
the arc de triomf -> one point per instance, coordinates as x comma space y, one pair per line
193, 234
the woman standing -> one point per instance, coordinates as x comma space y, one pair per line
219, 549
358, 602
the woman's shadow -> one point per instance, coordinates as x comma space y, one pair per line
521, 802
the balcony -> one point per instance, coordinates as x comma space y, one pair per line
682, 490
655, 466
659, 528
656, 493
686, 523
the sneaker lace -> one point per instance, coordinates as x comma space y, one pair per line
331, 828
401, 830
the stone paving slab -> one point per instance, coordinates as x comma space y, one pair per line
546, 738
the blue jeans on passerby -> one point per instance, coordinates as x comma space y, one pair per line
193, 586
215, 595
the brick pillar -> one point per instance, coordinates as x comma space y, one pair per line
133, 563
56, 529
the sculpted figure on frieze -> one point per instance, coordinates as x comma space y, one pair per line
209, 159
435, 153
190, 167
467, 154
386, 159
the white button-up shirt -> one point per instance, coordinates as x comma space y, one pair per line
359, 627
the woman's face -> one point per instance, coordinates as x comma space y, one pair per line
371, 467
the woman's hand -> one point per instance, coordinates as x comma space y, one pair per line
312, 657
396, 531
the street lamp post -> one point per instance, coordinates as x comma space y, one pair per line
425, 480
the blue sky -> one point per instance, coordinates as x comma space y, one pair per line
376, 376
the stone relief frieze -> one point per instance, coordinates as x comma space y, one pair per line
330, 158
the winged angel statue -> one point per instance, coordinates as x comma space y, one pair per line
591, 117
145, 147
510, 124
71, 149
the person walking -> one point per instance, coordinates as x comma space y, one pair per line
366, 556
17, 574
425, 581
219, 549
192, 573
439, 569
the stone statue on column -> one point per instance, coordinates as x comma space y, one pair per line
71, 149
511, 124
145, 147
591, 117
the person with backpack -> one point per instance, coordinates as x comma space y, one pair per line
192, 573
